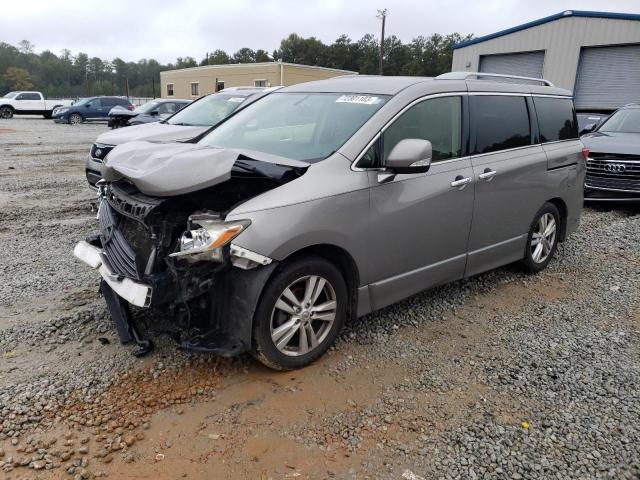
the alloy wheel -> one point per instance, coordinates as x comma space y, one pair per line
75, 119
303, 315
543, 238
6, 112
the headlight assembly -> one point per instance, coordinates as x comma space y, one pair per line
205, 242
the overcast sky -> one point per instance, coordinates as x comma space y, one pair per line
166, 29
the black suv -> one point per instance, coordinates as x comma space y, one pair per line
613, 167
90, 109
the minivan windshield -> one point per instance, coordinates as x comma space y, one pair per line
300, 126
208, 111
623, 121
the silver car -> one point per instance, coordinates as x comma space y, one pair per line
328, 200
187, 123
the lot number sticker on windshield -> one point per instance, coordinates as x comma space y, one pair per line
236, 99
363, 99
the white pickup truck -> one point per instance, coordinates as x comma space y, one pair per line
28, 103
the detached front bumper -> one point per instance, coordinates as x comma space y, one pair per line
136, 293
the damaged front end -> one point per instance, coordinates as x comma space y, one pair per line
176, 253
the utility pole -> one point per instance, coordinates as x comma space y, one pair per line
382, 14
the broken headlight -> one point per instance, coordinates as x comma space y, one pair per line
205, 238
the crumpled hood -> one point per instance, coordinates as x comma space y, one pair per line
166, 170
119, 110
612, 142
156, 132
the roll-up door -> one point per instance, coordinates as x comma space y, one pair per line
524, 64
608, 77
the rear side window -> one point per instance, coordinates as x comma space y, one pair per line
108, 102
500, 122
556, 119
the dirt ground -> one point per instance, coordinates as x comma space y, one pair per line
396, 397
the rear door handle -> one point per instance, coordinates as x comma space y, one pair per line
460, 182
487, 175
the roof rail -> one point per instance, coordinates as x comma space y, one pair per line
466, 75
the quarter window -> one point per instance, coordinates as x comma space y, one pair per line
556, 119
169, 89
500, 122
437, 120
194, 89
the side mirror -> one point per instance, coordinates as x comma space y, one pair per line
411, 155
155, 113
87, 105
588, 128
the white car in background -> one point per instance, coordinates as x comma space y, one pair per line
193, 120
29, 103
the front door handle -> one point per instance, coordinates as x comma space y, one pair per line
487, 175
460, 182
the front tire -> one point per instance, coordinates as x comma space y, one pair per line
75, 119
301, 312
6, 112
542, 240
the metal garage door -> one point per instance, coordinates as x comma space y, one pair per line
608, 77
525, 64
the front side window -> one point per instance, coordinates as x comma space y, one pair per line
438, 120
300, 126
166, 107
500, 122
194, 89
623, 121
556, 119
169, 89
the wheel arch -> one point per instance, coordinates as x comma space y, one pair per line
561, 205
342, 259
8, 105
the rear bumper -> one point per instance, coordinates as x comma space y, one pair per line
136, 293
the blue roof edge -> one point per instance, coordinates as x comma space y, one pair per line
550, 18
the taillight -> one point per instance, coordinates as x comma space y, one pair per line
585, 153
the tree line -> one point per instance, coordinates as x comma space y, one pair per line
68, 75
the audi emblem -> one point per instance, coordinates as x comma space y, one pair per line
615, 167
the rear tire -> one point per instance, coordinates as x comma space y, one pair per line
542, 240
6, 112
75, 119
302, 310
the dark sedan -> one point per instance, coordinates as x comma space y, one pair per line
152, 111
613, 168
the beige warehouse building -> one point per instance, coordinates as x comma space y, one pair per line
594, 54
197, 81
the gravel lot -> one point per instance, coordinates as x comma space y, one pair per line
502, 376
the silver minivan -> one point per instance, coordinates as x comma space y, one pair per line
328, 200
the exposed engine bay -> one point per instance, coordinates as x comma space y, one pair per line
180, 248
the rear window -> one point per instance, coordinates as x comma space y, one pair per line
500, 122
556, 119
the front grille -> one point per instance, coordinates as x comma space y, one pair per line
99, 151
120, 256
619, 172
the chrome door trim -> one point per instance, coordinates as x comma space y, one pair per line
499, 244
